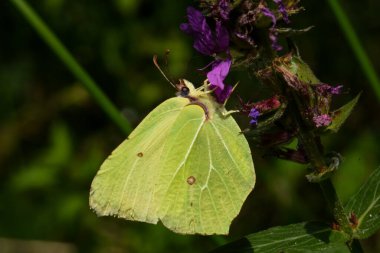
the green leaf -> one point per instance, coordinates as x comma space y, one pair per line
303, 71
339, 116
365, 205
300, 237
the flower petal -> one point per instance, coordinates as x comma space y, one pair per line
322, 120
195, 18
272, 32
216, 78
218, 73
282, 10
253, 114
224, 9
204, 41
222, 38
222, 95
266, 12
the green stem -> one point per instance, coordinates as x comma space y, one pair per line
356, 46
311, 146
59, 49
335, 205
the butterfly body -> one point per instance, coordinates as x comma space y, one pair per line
185, 164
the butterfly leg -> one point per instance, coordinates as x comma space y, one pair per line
227, 113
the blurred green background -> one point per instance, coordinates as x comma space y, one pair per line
53, 136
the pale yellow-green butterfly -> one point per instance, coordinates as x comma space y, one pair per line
186, 164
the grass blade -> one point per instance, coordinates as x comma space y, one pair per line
55, 44
356, 46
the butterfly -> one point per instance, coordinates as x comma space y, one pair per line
186, 164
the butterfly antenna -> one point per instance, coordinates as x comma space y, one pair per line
162, 72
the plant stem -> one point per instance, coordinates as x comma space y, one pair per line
59, 49
314, 153
335, 205
356, 46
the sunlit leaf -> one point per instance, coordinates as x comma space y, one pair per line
300, 237
339, 116
365, 206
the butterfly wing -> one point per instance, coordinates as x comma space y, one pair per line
207, 173
125, 184
178, 166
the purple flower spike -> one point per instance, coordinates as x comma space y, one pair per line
282, 10
206, 41
216, 76
253, 114
322, 120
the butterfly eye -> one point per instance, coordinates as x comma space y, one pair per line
184, 91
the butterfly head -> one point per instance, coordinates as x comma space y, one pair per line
186, 89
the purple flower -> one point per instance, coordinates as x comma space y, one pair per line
326, 89
253, 114
224, 9
216, 76
266, 12
273, 35
336, 90
211, 42
282, 10
322, 120
206, 41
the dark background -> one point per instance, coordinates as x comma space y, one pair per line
53, 136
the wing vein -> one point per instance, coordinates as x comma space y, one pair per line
182, 163
228, 151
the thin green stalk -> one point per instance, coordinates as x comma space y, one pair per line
317, 161
356, 46
59, 49
335, 205
309, 143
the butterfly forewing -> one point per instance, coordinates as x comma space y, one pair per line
126, 181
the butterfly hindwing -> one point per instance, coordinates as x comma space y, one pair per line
208, 177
